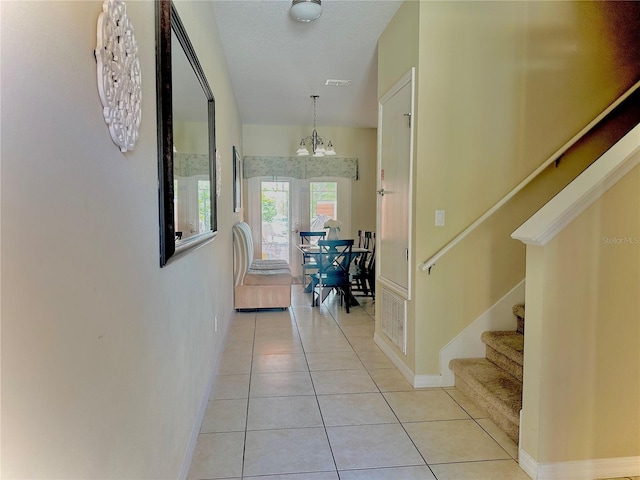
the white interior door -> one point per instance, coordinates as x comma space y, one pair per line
395, 151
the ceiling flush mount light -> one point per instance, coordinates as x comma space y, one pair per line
306, 10
318, 148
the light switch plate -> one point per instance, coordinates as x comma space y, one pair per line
439, 218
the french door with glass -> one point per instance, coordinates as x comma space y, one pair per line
279, 208
192, 205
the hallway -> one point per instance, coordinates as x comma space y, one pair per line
306, 394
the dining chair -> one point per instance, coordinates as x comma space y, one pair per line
334, 260
370, 271
363, 270
309, 263
364, 239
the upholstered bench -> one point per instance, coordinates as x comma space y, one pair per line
258, 283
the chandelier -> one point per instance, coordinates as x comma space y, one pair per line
318, 148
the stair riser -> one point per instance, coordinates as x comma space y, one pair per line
510, 428
509, 344
504, 362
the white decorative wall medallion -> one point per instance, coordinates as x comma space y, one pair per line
119, 79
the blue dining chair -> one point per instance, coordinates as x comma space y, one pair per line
334, 260
309, 263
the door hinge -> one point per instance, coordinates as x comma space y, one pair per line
409, 118
406, 252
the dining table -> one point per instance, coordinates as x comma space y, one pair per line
310, 250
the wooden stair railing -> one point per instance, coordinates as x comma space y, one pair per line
428, 264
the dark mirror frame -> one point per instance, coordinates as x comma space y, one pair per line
167, 19
237, 180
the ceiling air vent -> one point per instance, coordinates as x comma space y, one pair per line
337, 83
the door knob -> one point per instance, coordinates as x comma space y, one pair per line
381, 192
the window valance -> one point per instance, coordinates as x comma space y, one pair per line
188, 164
300, 167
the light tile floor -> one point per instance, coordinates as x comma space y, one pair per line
306, 394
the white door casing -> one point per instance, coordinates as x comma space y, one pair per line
394, 185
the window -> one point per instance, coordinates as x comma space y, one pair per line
323, 203
204, 205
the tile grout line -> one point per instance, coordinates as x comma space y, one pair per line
390, 408
297, 316
315, 393
355, 353
379, 391
387, 402
481, 427
246, 420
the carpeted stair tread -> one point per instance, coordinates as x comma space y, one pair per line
510, 344
497, 387
512, 429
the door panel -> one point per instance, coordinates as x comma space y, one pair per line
279, 209
275, 219
394, 185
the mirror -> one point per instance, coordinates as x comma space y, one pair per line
186, 140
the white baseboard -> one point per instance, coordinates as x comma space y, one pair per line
422, 381
202, 409
418, 381
528, 464
388, 351
468, 344
580, 470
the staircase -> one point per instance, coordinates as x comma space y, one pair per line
494, 383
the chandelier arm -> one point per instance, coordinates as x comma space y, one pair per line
317, 141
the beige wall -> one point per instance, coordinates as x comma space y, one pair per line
500, 87
360, 143
582, 368
398, 46
105, 356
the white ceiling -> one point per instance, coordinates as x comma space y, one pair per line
276, 63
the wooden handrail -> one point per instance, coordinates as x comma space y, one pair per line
430, 262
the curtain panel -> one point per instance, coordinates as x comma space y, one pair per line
300, 167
